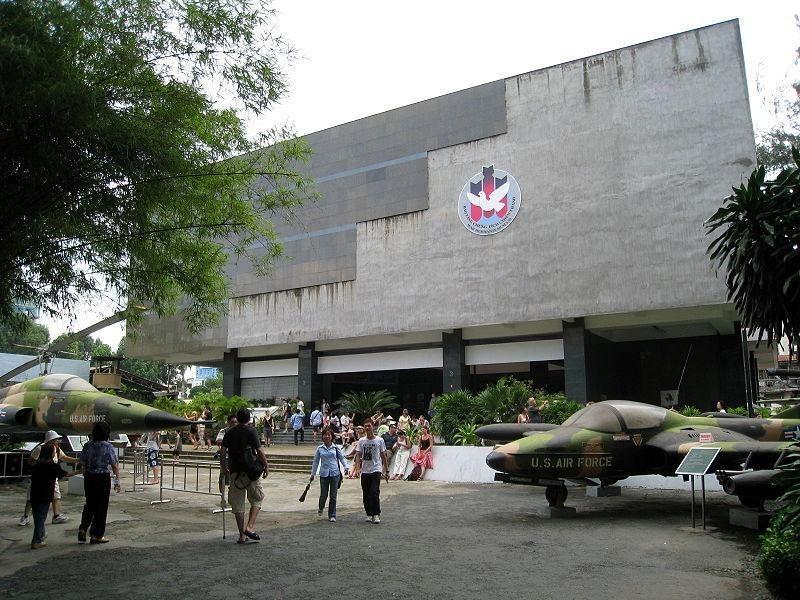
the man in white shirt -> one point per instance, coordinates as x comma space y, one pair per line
316, 422
371, 464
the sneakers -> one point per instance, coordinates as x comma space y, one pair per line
369, 520
332, 519
376, 519
81, 535
24, 520
37, 545
62, 518
102, 540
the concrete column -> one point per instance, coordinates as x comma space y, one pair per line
454, 373
576, 368
309, 382
231, 374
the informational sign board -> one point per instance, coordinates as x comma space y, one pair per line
697, 462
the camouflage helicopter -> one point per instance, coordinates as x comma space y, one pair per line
71, 405
611, 440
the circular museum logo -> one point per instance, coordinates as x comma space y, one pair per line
489, 201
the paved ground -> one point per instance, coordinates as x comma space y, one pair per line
437, 541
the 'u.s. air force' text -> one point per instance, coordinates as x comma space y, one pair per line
571, 462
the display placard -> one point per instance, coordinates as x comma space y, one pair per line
697, 462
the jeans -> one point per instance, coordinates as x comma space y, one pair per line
371, 493
39, 511
301, 432
328, 485
97, 488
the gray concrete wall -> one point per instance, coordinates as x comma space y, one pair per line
620, 157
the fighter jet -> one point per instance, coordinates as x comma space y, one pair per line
615, 439
71, 405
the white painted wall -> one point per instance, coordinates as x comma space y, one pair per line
269, 368
380, 361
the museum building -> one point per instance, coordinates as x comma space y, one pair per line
548, 225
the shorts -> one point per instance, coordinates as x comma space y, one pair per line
153, 460
316, 428
243, 488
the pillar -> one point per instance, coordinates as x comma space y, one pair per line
454, 373
309, 381
231, 373
576, 367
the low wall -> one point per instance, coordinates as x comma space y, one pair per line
467, 464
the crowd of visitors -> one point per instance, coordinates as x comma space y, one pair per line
371, 446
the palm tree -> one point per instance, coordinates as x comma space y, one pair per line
366, 404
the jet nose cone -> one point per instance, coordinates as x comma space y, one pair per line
156, 420
497, 460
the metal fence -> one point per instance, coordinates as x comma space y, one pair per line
12, 464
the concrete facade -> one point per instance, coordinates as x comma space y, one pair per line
620, 158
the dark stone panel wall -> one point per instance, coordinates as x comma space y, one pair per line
309, 382
369, 169
640, 370
231, 374
455, 375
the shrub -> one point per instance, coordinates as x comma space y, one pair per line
738, 410
465, 435
453, 410
502, 401
366, 404
557, 408
779, 560
690, 411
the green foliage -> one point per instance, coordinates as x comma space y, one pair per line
366, 404
221, 406
127, 168
556, 408
455, 409
763, 412
86, 348
738, 410
790, 477
779, 560
209, 385
23, 335
690, 411
465, 435
170, 405
502, 401
758, 232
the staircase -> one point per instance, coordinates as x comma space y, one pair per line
280, 463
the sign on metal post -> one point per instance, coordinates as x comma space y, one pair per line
697, 462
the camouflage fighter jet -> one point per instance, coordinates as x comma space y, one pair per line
71, 405
615, 439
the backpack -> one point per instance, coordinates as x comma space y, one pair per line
415, 473
249, 464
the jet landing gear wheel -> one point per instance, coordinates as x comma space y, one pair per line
754, 503
556, 495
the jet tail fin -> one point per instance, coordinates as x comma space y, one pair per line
789, 413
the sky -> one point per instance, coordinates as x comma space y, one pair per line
355, 58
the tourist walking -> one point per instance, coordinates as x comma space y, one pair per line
53, 439
267, 427
153, 443
238, 442
316, 422
371, 465
43, 482
404, 422
328, 459
97, 456
208, 429
224, 477
297, 426
193, 431
287, 416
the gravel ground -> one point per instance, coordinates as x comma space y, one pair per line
437, 540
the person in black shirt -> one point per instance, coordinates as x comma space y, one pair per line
390, 439
237, 441
43, 483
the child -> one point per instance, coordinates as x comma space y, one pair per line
43, 483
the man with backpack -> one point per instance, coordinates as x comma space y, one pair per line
316, 422
247, 465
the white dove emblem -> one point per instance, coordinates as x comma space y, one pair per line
493, 202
